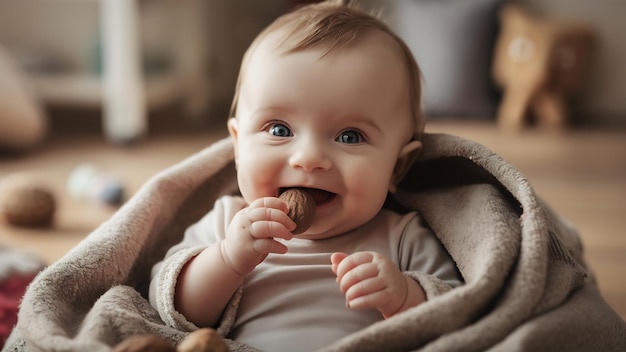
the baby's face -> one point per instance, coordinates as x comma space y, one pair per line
334, 124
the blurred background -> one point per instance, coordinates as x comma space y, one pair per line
186, 53
131, 87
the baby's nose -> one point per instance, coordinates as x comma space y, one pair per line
310, 157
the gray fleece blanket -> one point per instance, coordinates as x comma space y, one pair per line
526, 288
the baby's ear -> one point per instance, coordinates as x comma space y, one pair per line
408, 154
232, 129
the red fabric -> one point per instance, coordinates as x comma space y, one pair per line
11, 291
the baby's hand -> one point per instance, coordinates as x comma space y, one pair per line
251, 234
370, 280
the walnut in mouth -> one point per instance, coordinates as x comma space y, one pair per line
301, 208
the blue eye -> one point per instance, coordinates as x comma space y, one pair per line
280, 130
350, 137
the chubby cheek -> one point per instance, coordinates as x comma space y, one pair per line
257, 175
367, 188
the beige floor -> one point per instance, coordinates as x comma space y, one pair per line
582, 174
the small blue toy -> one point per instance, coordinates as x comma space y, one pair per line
86, 181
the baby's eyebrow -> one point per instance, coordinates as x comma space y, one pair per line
365, 120
263, 113
272, 110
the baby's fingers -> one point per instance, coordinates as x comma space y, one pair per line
269, 202
352, 261
268, 245
371, 297
335, 259
267, 213
358, 277
269, 229
270, 222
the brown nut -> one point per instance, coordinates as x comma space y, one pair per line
25, 201
203, 340
301, 208
144, 343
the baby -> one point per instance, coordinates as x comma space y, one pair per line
327, 101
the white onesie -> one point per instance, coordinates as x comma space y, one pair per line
291, 302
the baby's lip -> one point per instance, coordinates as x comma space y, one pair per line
320, 196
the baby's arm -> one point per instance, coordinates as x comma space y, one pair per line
207, 282
370, 280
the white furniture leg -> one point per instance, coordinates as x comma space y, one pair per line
124, 103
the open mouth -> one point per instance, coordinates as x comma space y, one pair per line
320, 196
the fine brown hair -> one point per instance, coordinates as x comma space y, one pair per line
330, 25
